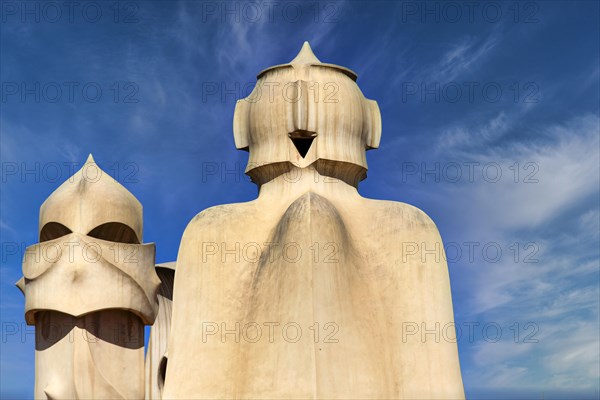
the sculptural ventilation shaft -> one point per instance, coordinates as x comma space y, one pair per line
307, 291
90, 287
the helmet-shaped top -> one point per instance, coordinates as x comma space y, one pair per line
307, 112
91, 202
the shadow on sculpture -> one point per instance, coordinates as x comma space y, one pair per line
90, 287
308, 291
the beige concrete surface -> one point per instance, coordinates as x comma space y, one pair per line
90, 287
310, 291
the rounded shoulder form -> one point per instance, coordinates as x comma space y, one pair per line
398, 214
221, 217
211, 229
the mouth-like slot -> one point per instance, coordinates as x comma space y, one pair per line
302, 141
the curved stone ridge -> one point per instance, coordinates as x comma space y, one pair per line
307, 291
306, 57
306, 100
101, 275
89, 199
90, 287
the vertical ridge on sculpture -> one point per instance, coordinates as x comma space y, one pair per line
156, 354
308, 290
90, 287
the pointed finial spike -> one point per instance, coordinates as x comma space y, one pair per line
21, 284
305, 56
90, 159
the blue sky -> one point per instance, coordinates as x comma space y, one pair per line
490, 125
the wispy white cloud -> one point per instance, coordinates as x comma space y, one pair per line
171, 133
559, 292
463, 56
499, 352
460, 137
6, 227
554, 175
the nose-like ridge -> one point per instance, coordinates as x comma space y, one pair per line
42, 256
101, 274
72, 250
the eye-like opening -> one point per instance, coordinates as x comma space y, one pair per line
53, 230
114, 232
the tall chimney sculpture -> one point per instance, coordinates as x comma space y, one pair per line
310, 291
90, 287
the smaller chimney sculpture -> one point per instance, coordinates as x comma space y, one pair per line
90, 287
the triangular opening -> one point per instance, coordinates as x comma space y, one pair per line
303, 145
302, 140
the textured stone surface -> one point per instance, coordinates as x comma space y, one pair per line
90, 287
308, 291
321, 272
156, 355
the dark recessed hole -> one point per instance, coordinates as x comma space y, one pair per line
114, 232
303, 145
302, 140
162, 372
53, 230
167, 279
